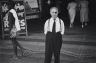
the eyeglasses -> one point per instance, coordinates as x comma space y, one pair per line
55, 12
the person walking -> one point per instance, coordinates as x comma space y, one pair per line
54, 29
84, 12
14, 29
72, 12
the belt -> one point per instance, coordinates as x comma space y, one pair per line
55, 32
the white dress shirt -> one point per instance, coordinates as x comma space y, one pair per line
16, 19
59, 25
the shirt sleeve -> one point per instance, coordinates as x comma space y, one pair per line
62, 27
46, 27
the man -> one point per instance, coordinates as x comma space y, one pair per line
53, 29
72, 11
14, 28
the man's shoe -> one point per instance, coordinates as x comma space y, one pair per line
24, 52
14, 57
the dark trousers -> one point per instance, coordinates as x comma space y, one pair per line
15, 44
53, 45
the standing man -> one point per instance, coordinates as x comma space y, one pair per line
53, 29
14, 28
72, 11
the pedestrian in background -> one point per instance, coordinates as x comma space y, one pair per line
54, 29
72, 12
14, 29
84, 12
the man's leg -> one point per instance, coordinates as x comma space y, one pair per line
23, 50
14, 47
57, 47
48, 48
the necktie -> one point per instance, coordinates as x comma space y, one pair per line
53, 30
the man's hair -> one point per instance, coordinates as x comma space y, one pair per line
54, 8
11, 4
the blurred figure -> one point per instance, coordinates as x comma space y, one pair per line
14, 29
53, 29
77, 16
84, 12
72, 12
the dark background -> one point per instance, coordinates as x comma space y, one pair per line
62, 4
64, 12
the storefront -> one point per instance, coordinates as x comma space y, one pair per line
39, 9
26, 9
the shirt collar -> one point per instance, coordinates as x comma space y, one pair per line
55, 19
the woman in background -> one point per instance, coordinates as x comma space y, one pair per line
72, 12
84, 12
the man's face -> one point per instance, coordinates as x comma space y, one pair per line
54, 12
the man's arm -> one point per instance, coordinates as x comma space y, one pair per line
62, 27
46, 27
10, 20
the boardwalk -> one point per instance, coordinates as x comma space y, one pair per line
79, 46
